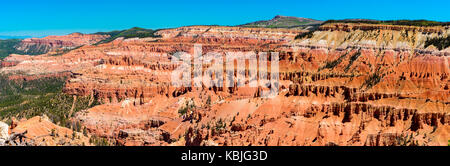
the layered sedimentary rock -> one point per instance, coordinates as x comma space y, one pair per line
368, 27
390, 37
51, 43
345, 85
234, 34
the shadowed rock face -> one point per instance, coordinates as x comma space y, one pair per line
345, 85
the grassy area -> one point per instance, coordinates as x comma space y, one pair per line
129, 33
440, 42
38, 97
392, 22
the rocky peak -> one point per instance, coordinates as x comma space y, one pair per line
284, 22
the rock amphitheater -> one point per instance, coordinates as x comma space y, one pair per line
346, 85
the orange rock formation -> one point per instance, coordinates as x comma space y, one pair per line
342, 86
51, 43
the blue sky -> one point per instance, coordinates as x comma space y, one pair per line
58, 17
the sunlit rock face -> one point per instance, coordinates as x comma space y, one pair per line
4, 135
40, 131
52, 43
346, 84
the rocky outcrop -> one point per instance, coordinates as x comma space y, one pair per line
51, 43
8, 63
40, 131
4, 133
235, 34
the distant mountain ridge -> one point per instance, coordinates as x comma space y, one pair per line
3, 37
128, 33
15, 44
422, 23
284, 22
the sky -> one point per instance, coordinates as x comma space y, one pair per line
59, 17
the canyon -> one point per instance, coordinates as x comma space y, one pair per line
345, 84
34, 46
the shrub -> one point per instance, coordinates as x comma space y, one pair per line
99, 141
208, 101
332, 64
183, 110
305, 35
439, 42
374, 79
352, 59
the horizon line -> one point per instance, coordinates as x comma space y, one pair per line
22, 34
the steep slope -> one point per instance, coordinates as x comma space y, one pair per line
438, 42
344, 35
